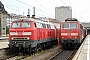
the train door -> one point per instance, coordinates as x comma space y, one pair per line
38, 30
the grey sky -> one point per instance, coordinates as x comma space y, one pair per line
46, 8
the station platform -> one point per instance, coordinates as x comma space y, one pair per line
4, 37
4, 42
4, 45
83, 52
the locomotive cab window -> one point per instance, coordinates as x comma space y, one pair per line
69, 25
65, 25
25, 24
15, 24
73, 25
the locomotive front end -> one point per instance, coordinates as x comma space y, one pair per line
20, 35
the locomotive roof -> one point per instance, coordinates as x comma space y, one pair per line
22, 19
34, 20
71, 19
70, 22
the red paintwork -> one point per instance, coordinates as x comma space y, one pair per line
69, 31
37, 33
85, 33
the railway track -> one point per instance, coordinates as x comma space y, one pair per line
17, 56
63, 55
6, 57
14, 56
5, 54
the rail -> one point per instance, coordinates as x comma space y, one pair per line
63, 55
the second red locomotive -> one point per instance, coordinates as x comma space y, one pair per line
71, 33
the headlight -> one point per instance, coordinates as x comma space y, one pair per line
28, 38
12, 38
74, 34
26, 33
64, 34
13, 33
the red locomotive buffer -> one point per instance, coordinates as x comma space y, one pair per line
71, 33
31, 34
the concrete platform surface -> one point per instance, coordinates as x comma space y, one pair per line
83, 52
3, 45
4, 38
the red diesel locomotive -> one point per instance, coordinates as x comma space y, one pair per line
71, 33
31, 34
